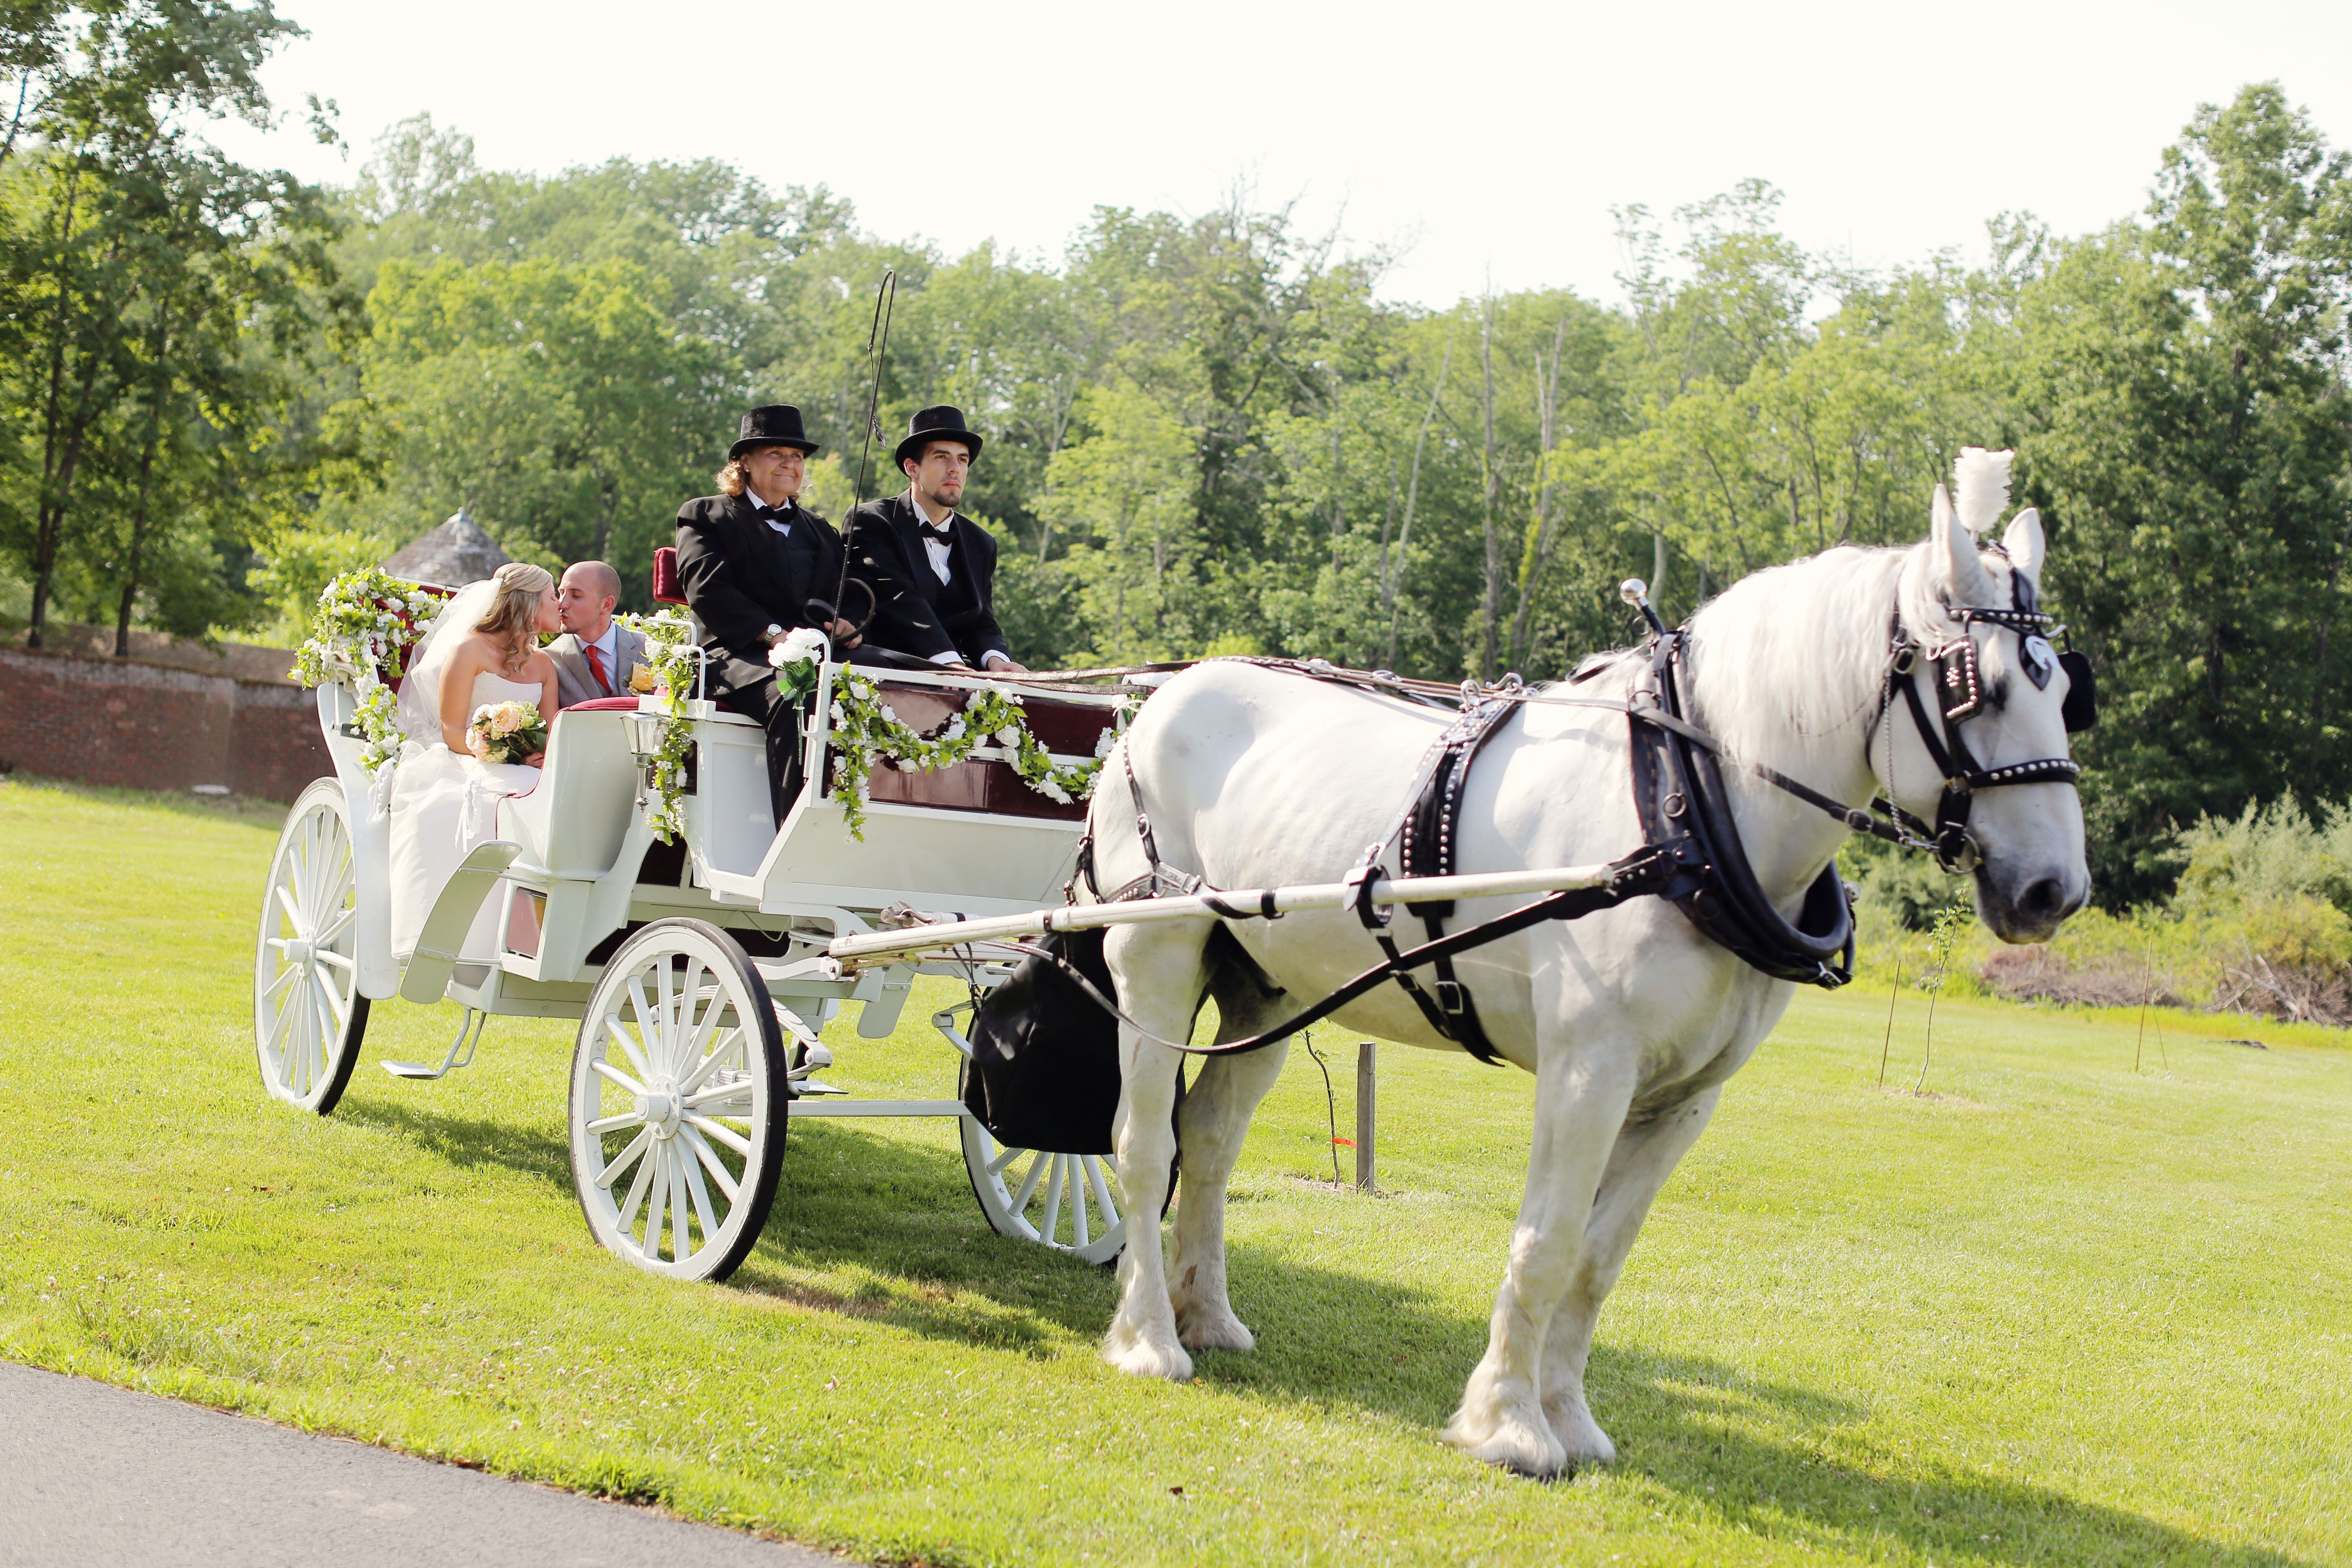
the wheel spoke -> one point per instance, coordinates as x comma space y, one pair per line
1078, 1200
617, 1076
637, 1185
279, 1031
726, 1135
648, 1023
708, 1101
615, 1124
1053, 1197
336, 929
338, 1012
1029, 1183
293, 912
1102, 1193
699, 1046
681, 1014
1004, 1157
611, 1172
285, 978
681, 1240
711, 1062
329, 955
692, 1169
620, 1035
711, 1162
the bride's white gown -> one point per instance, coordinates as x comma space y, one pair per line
444, 803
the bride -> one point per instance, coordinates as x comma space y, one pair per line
482, 648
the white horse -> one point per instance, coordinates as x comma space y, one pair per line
1630, 1019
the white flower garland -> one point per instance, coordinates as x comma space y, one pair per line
360, 634
675, 658
864, 730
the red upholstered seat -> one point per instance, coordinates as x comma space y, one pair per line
604, 705
665, 585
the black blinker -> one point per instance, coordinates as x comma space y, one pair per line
2081, 709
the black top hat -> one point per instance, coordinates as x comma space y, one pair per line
937, 423
772, 425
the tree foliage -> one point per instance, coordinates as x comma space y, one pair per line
1205, 433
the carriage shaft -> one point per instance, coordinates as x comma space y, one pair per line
1257, 903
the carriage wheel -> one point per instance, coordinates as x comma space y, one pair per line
308, 1014
678, 1102
1068, 1201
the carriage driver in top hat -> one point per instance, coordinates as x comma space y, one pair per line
933, 572
754, 565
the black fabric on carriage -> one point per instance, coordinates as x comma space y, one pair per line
1044, 1052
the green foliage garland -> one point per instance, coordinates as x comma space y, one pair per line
360, 636
674, 659
865, 730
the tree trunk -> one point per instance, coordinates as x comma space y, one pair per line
146, 474
1539, 556
1392, 582
1490, 605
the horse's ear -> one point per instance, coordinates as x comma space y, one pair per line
1965, 578
2027, 549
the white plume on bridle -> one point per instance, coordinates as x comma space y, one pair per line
1981, 487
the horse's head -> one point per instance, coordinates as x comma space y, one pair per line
1978, 743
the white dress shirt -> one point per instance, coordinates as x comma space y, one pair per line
608, 648
753, 497
937, 554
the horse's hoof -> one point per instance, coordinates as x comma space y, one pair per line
1511, 1441
1147, 1356
1218, 1331
1581, 1436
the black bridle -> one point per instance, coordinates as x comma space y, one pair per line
1960, 696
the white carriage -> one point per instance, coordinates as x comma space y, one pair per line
696, 968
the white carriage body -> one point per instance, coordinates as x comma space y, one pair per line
580, 840
593, 915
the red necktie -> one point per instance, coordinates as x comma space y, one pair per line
597, 663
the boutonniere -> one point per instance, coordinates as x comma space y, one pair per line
641, 680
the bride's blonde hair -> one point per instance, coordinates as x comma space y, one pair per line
512, 619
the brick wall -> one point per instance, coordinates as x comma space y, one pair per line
168, 717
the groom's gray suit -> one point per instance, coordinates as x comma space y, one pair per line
574, 683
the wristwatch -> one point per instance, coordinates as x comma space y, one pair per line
771, 633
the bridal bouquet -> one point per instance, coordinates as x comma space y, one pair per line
506, 731
796, 658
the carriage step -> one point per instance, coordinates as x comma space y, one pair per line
808, 1086
472, 1020
813, 1055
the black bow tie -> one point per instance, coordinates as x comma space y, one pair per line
774, 513
938, 534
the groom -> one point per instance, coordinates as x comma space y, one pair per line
597, 655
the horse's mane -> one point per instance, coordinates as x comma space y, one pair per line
1789, 661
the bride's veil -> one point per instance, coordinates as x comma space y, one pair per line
420, 693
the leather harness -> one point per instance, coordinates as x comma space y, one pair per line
1692, 855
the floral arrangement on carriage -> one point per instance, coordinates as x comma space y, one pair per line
366, 624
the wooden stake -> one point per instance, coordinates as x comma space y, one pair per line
2147, 985
1365, 1094
1888, 1043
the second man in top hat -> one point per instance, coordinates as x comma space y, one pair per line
933, 571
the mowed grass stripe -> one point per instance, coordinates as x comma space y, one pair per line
2058, 1313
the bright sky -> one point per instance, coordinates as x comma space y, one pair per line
1488, 139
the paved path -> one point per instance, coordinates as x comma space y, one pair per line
92, 1474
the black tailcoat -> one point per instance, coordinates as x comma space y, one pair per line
914, 612
741, 577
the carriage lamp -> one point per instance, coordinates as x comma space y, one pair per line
645, 733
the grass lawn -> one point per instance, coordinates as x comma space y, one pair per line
2056, 1312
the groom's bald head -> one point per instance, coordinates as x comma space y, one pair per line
586, 597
